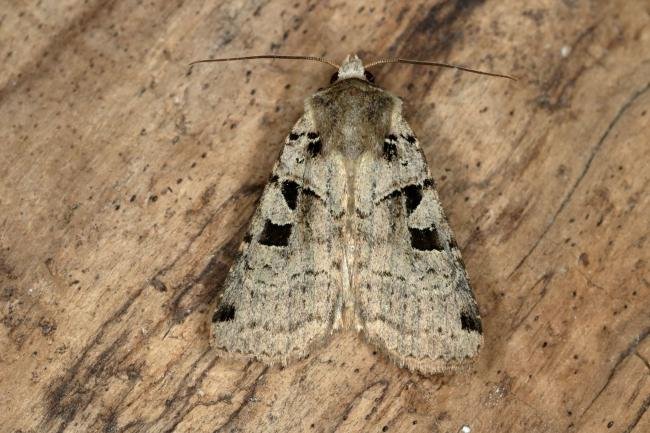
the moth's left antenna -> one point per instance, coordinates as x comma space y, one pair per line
268, 56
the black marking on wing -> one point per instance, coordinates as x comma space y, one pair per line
413, 197
225, 313
425, 239
470, 322
314, 147
410, 138
306, 191
290, 191
394, 194
295, 135
427, 183
275, 234
390, 147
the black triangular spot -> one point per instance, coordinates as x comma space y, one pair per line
224, 313
312, 135
410, 138
290, 193
413, 197
293, 136
275, 234
470, 322
425, 239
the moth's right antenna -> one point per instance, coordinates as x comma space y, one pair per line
443, 65
269, 56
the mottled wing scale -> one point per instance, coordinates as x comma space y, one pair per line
413, 298
281, 295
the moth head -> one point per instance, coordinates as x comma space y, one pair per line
352, 67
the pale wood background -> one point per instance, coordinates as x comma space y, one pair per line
127, 184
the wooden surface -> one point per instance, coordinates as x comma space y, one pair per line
127, 184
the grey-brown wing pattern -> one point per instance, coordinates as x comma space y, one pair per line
413, 298
350, 231
282, 294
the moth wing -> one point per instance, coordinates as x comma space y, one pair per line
413, 298
282, 294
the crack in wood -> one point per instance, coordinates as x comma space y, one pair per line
637, 416
631, 349
71, 386
546, 278
248, 398
628, 103
185, 392
384, 384
645, 361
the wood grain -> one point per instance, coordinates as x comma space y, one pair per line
127, 184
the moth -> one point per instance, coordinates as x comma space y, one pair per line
350, 234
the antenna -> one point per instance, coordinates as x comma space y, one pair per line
443, 65
269, 56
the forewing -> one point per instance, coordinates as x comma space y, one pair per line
281, 295
413, 298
